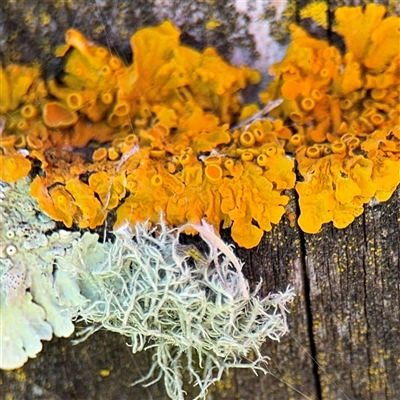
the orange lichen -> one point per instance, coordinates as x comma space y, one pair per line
110, 191
55, 115
250, 196
344, 115
99, 99
213, 172
13, 167
168, 136
19, 84
179, 77
89, 212
56, 202
358, 27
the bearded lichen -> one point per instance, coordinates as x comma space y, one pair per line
194, 310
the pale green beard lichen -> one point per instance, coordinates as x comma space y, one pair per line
37, 299
194, 310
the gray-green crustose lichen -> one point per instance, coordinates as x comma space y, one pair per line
37, 298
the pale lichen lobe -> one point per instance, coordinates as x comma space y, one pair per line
37, 299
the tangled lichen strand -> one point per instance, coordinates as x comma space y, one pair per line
36, 298
192, 309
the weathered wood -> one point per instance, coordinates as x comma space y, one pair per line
355, 297
347, 309
353, 277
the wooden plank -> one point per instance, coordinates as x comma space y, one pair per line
354, 277
278, 260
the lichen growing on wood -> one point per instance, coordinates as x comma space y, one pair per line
37, 298
345, 113
169, 134
194, 310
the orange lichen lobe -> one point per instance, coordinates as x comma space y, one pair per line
57, 203
13, 167
18, 83
110, 190
250, 196
55, 115
90, 212
356, 26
